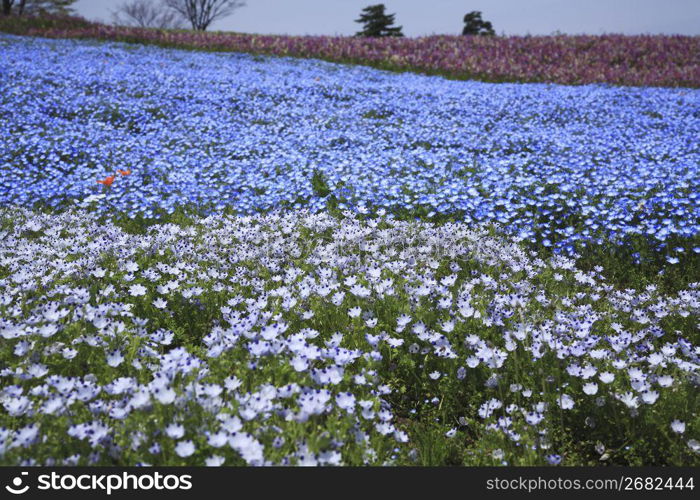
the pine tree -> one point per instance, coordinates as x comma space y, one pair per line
377, 23
474, 25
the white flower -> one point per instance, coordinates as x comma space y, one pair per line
590, 388
650, 397
232, 383
175, 431
160, 303
249, 448
214, 461
137, 290
360, 291
217, 440
115, 358
166, 396
345, 401
99, 273
533, 418
403, 320
94, 197
629, 399
678, 427
566, 402
184, 449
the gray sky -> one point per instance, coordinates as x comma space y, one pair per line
424, 17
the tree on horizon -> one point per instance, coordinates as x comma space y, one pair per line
377, 23
201, 13
37, 7
147, 14
474, 25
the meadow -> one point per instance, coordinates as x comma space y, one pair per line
229, 258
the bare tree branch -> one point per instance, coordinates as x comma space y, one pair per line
201, 13
147, 14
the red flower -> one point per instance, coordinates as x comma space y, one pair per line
107, 181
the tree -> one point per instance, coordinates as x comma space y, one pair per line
147, 14
7, 7
377, 23
37, 6
33, 7
201, 13
474, 25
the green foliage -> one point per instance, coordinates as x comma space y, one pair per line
319, 184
